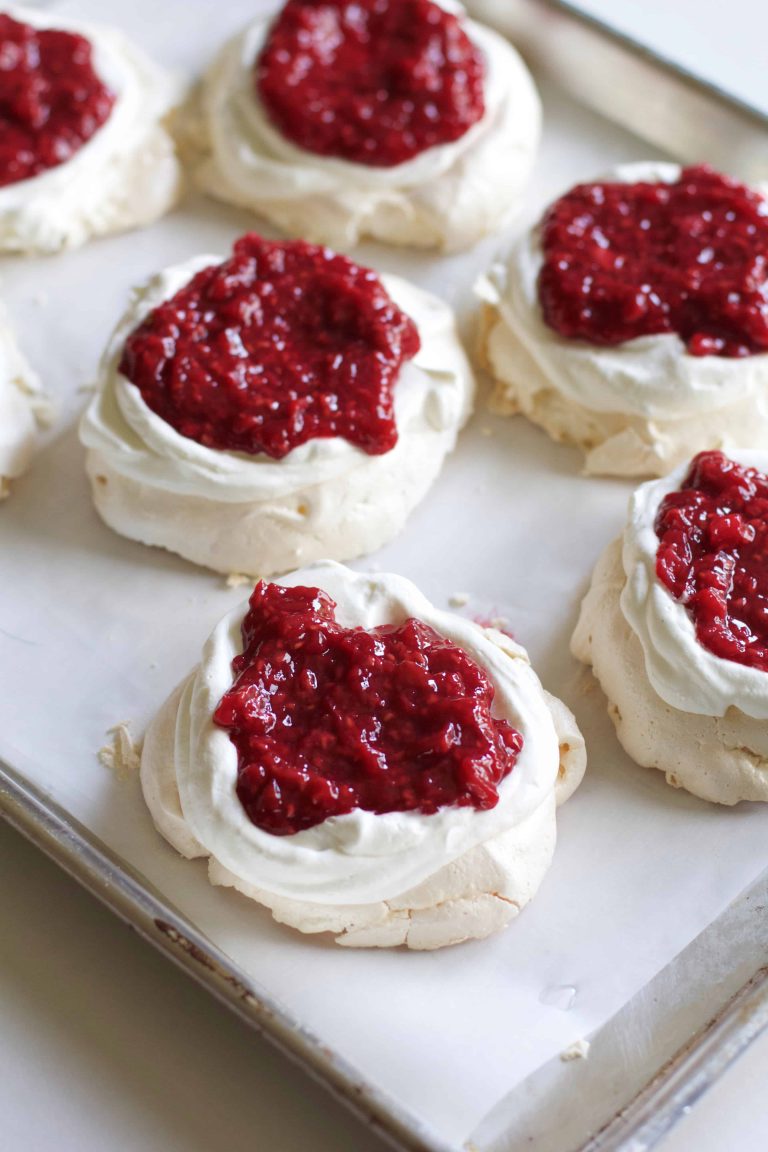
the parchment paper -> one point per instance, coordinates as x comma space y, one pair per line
96, 630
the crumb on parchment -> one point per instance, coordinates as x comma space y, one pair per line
122, 755
500, 623
579, 1050
458, 599
237, 579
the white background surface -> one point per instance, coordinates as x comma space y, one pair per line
106, 1046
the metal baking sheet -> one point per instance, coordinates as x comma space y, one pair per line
108, 627
632, 80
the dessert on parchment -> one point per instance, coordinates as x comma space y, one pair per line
84, 150
363, 764
274, 408
675, 626
22, 406
633, 319
402, 121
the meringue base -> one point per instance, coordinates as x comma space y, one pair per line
723, 759
144, 184
339, 519
614, 443
469, 898
401, 218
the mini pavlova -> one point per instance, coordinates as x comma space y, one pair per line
404, 122
675, 626
363, 764
633, 319
260, 412
85, 150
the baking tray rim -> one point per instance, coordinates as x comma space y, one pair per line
602, 30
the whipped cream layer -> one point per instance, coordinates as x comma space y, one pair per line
358, 858
21, 407
126, 175
432, 394
448, 196
680, 669
643, 405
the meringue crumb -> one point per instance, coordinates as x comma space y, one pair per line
237, 579
458, 599
85, 389
122, 756
588, 686
500, 623
43, 408
579, 1050
486, 431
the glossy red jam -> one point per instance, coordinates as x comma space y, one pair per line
713, 556
282, 343
628, 260
326, 719
371, 81
51, 100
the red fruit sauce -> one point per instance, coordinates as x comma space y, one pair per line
372, 81
51, 100
713, 556
280, 344
628, 260
326, 719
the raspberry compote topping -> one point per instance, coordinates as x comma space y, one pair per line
51, 100
282, 343
371, 81
628, 260
713, 556
326, 719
